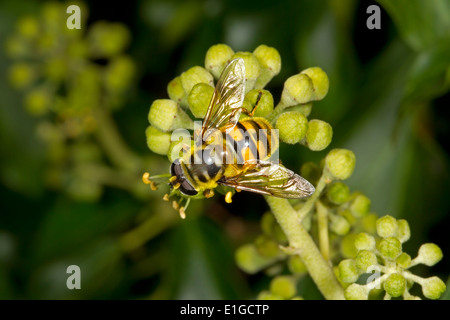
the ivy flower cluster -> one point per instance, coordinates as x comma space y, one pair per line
71, 79
332, 235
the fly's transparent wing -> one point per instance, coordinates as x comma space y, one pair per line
224, 108
271, 179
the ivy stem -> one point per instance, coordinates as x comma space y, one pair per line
322, 220
112, 141
308, 205
302, 243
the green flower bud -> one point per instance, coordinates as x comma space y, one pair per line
267, 223
193, 76
157, 141
217, 57
21, 75
429, 254
292, 127
395, 285
340, 163
296, 265
265, 104
283, 286
270, 62
365, 259
387, 226
356, 292
176, 92
338, 193
252, 68
298, 89
368, 223
390, 248
360, 205
28, 27
404, 260
319, 135
266, 246
339, 225
346, 213
119, 73
37, 101
311, 172
364, 241
320, 82
348, 249
348, 271
267, 295
403, 232
199, 99
177, 147
107, 39
250, 261
166, 115
433, 288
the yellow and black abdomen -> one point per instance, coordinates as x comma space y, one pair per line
251, 139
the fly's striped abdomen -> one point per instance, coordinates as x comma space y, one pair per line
251, 139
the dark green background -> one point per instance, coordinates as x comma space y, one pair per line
388, 102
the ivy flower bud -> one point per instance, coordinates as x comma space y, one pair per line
348, 271
37, 101
340, 163
339, 225
166, 115
387, 226
433, 287
266, 246
356, 292
365, 241
119, 73
303, 108
267, 223
338, 193
21, 75
217, 58
319, 135
429, 254
348, 249
176, 92
292, 127
390, 248
193, 76
320, 82
395, 285
283, 286
360, 205
403, 232
296, 265
107, 39
298, 89
250, 261
369, 222
267, 295
157, 141
252, 69
404, 260
270, 62
365, 259
265, 104
199, 98
28, 27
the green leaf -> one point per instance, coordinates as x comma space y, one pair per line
446, 295
421, 23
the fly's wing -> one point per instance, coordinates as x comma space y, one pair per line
271, 179
226, 100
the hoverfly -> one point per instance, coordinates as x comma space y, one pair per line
242, 162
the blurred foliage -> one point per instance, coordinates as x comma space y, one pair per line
388, 103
